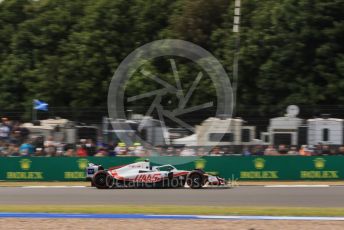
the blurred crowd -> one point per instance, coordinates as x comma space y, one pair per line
15, 141
304, 150
87, 147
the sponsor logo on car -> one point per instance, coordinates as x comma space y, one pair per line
148, 177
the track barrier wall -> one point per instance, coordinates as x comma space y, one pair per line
230, 167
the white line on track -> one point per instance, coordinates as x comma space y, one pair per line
274, 218
298, 186
175, 217
54, 186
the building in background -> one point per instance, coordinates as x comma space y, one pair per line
283, 130
328, 131
137, 129
225, 131
62, 130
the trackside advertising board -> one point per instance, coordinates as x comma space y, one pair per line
229, 167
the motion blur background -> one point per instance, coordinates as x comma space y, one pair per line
65, 53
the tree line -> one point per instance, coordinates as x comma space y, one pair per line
65, 52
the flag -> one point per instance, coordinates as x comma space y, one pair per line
40, 105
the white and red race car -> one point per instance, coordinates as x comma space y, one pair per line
143, 175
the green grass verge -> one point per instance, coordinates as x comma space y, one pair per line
174, 209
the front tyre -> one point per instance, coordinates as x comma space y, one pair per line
195, 180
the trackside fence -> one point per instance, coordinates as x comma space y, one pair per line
233, 167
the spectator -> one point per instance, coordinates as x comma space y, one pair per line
121, 149
282, 149
60, 147
19, 134
7, 122
216, 152
270, 151
40, 152
26, 149
258, 150
177, 151
304, 151
326, 150
226, 151
90, 147
333, 151
50, 146
311, 149
111, 149
4, 130
158, 151
188, 152
293, 151
341, 150
139, 150
201, 152
3, 148
13, 150
131, 150
101, 152
246, 151
70, 153
81, 151
318, 150
170, 151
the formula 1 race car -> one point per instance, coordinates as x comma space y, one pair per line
143, 175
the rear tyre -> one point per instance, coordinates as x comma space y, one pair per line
102, 180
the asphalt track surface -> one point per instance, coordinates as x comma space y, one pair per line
237, 196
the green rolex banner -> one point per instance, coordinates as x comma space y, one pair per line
229, 167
